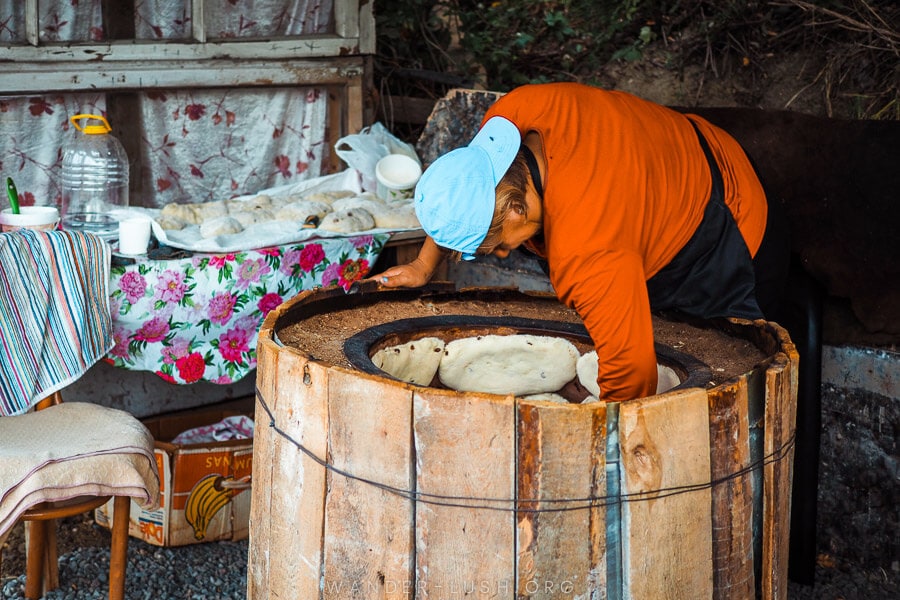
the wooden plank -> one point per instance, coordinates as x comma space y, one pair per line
144, 51
45, 77
780, 424
732, 497
367, 38
346, 18
354, 108
465, 452
198, 21
32, 22
334, 129
561, 455
263, 464
369, 541
297, 483
667, 541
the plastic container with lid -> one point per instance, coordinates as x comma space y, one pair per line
94, 178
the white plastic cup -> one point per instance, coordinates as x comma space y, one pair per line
44, 218
397, 174
134, 235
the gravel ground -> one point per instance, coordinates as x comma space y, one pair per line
218, 571
213, 571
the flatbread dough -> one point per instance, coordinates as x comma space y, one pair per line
396, 217
549, 397
368, 203
252, 216
300, 210
326, 197
171, 223
666, 377
224, 217
220, 226
210, 210
508, 364
194, 214
347, 221
185, 213
413, 362
248, 204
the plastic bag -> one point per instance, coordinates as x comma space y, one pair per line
238, 427
361, 151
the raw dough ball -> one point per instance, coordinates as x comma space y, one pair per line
347, 221
327, 197
414, 362
508, 364
185, 213
220, 226
171, 223
279, 201
666, 377
300, 210
369, 204
210, 210
248, 204
251, 217
396, 217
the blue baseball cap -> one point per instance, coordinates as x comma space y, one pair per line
455, 197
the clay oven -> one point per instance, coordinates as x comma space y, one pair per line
366, 486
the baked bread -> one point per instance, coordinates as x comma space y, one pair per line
413, 362
508, 364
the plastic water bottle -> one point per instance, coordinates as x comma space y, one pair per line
94, 178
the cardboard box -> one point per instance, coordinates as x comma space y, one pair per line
204, 488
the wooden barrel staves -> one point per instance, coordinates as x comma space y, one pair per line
368, 487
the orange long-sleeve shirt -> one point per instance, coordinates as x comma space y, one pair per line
626, 187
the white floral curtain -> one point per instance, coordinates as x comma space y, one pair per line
216, 144
190, 145
32, 128
171, 19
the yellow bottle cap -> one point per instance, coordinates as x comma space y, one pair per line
91, 129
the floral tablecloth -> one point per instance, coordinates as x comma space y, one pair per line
198, 318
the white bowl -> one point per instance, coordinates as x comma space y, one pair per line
398, 171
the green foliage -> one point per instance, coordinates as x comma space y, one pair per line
426, 47
412, 34
505, 43
512, 43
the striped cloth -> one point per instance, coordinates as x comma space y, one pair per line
54, 312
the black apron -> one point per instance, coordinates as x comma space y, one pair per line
712, 275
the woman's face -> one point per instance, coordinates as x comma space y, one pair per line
516, 230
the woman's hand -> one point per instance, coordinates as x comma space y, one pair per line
416, 273
413, 274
